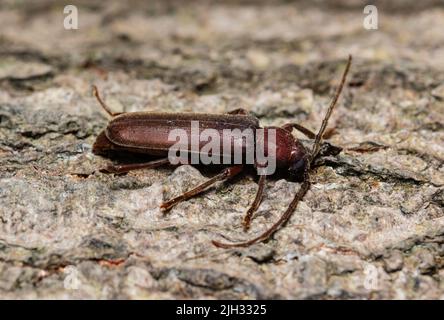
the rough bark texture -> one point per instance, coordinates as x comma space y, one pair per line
372, 225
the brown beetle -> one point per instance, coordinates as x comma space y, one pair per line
148, 133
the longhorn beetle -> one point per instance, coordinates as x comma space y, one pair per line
147, 133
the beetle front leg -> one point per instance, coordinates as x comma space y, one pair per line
223, 175
307, 132
257, 201
123, 168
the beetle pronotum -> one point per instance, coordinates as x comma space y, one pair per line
147, 133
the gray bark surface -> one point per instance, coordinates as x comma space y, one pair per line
372, 225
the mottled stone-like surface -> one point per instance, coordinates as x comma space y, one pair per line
372, 225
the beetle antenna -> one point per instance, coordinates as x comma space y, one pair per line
282, 220
317, 142
305, 186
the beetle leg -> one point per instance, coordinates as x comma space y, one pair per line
257, 201
223, 175
329, 133
239, 111
122, 168
307, 132
103, 104
282, 220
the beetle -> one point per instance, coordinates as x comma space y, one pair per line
148, 133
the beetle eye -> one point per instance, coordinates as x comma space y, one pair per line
298, 166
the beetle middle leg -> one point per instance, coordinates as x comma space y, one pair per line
223, 175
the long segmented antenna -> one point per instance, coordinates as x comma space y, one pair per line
282, 220
306, 184
317, 142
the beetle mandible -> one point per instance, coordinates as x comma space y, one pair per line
147, 133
